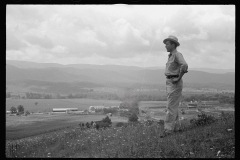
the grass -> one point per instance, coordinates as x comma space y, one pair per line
206, 140
18, 127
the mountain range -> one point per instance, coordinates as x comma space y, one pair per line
53, 72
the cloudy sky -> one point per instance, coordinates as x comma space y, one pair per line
121, 34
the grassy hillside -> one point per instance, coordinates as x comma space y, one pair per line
206, 137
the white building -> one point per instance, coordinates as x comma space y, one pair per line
93, 108
64, 109
192, 105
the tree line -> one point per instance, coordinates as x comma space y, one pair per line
222, 98
19, 110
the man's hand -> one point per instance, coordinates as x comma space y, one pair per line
175, 80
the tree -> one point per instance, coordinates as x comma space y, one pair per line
107, 120
20, 109
119, 124
13, 110
133, 118
27, 113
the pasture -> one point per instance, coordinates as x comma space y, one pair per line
34, 124
48, 104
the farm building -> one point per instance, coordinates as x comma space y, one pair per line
192, 105
80, 112
64, 109
114, 107
211, 102
93, 108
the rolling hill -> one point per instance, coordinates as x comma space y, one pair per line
108, 74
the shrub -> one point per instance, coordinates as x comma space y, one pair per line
20, 108
103, 125
13, 110
149, 122
225, 116
26, 113
119, 124
161, 122
133, 118
107, 120
203, 119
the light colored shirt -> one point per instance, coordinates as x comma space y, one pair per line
175, 64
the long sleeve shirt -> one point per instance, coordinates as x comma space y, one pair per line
175, 64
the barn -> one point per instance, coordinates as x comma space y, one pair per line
65, 110
192, 105
93, 108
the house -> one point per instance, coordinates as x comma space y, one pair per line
8, 112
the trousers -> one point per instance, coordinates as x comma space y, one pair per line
174, 96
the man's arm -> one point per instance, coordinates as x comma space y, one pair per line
183, 66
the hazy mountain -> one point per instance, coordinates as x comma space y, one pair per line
26, 64
211, 70
106, 76
47, 74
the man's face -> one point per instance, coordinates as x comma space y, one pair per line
170, 47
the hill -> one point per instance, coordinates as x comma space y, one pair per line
212, 138
107, 74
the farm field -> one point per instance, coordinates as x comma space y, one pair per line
49, 104
18, 127
156, 109
33, 124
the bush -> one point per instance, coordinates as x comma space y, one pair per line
225, 116
202, 120
13, 110
107, 120
27, 113
133, 118
149, 122
119, 124
20, 108
161, 122
103, 125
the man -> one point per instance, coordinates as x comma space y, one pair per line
176, 67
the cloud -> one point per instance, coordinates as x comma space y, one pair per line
44, 41
13, 42
120, 33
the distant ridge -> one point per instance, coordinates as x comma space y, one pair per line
27, 64
106, 74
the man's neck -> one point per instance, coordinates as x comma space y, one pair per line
173, 51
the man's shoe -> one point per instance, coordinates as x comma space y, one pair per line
165, 133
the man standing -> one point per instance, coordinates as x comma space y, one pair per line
176, 67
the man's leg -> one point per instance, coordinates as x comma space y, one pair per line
174, 94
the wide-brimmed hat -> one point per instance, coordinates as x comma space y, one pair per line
172, 38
